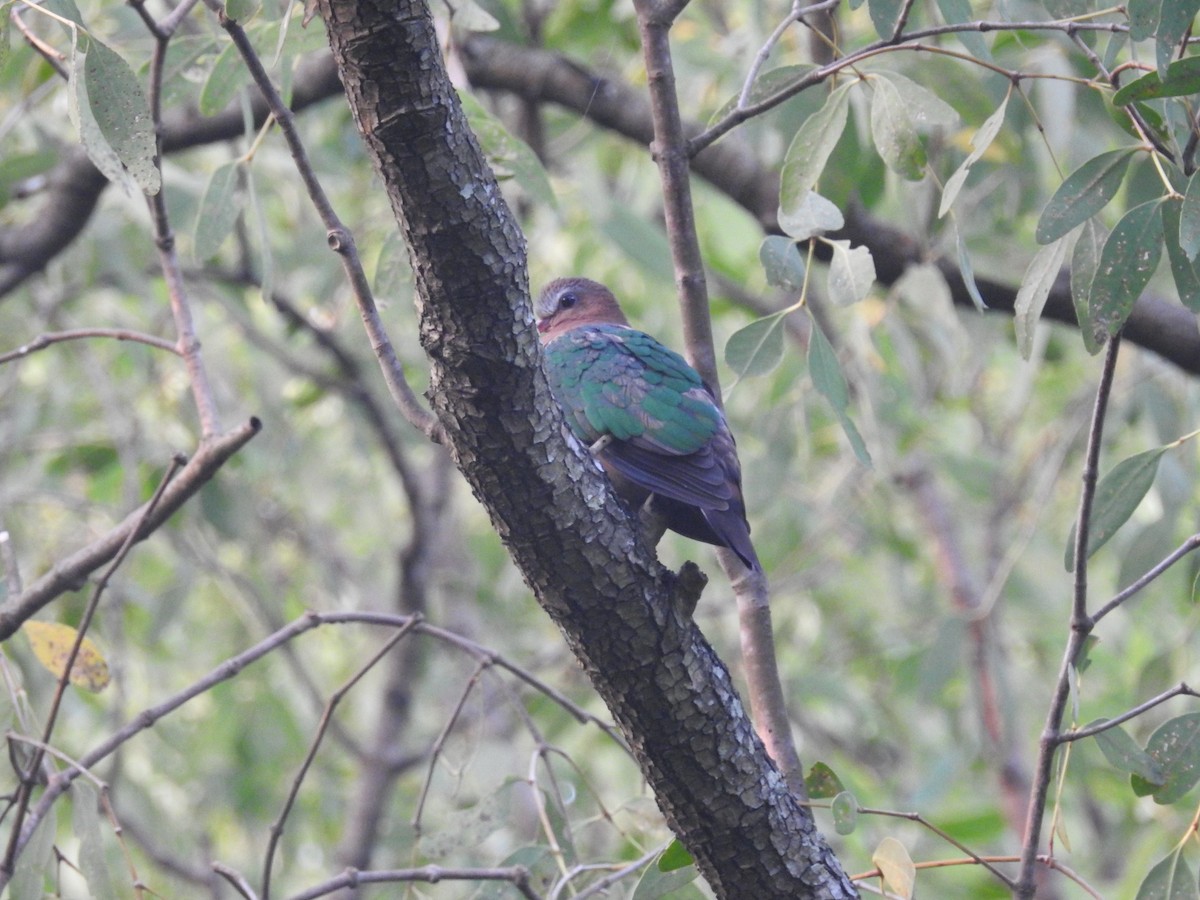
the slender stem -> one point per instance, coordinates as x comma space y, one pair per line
670, 151
1075, 734
1081, 626
25, 791
768, 703
341, 241
326, 716
1179, 553
912, 41
42, 341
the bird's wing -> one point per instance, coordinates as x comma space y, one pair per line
670, 437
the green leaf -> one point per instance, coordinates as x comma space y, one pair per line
241, 10
85, 822
1117, 496
845, 813
79, 110
1169, 879
1183, 78
831, 384
509, 155
895, 135
470, 16
1086, 191
884, 15
641, 240
1176, 19
810, 148
1175, 747
219, 210
980, 141
1183, 269
1129, 258
658, 883
1123, 752
968, 271
1143, 17
122, 114
959, 12
757, 348
782, 262
34, 864
676, 856
812, 216
925, 109
821, 782
227, 76
1189, 219
851, 273
1035, 288
767, 84
1084, 260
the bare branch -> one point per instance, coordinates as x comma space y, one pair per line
69, 573
330, 707
1075, 734
1081, 626
341, 241
42, 341
25, 791
1188, 546
767, 700
1157, 323
518, 876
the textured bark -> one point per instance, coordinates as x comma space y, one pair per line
572, 541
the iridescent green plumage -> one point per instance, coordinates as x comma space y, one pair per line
669, 441
614, 380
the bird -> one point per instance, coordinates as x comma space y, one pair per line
646, 415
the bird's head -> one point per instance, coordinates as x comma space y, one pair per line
567, 303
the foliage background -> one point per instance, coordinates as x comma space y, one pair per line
898, 590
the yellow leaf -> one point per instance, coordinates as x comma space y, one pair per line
892, 859
52, 643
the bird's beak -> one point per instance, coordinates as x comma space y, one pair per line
543, 325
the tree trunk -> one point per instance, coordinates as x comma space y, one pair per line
573, 542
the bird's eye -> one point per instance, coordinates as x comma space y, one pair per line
566, 301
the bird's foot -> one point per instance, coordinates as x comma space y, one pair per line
689, 584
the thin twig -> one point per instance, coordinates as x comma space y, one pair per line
945, 836
71, 572
25, 791
518, 876
235, 878
1179, 553
602, 885
42, 341
341, 241
330, 707
912, 42
439, 742
1076, 734
767, 701
164, 240
1081, 626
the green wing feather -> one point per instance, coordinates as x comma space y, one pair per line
618, 381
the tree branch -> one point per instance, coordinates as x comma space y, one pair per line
70, 573
1158, 324
573, 542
